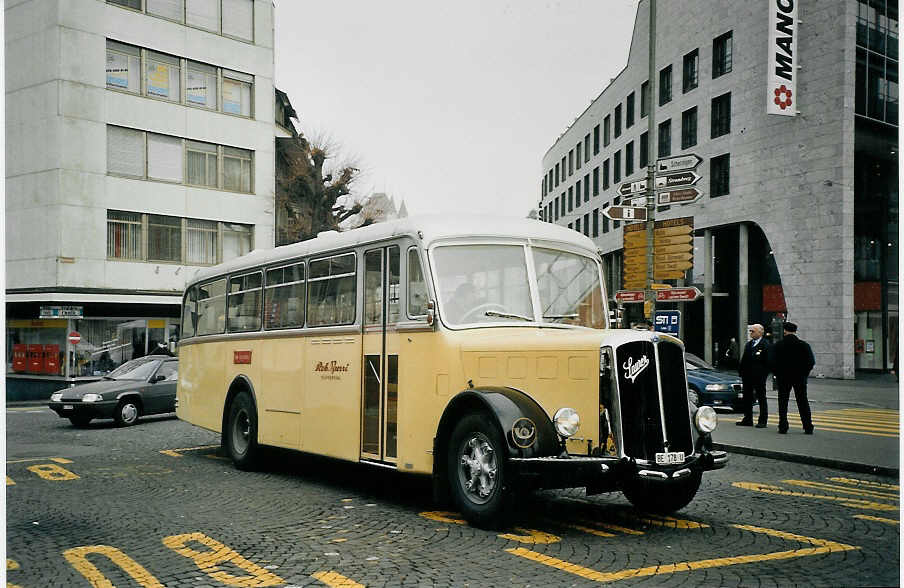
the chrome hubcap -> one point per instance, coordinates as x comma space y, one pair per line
478, 468
241, 432
129, 412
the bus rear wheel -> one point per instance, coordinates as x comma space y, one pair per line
241, 432
477, 471
659, 498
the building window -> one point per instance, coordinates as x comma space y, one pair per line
586, 187
234, 18
721, 115
718, 173
133, 236
644, 150
665, 85
557, 175
689, 128
577, 224
615, 202
618, 120
596, 181
629, 159
577, 192
577, 150
555, 206
690, 75
206, 86
168, 9
605, 175
133, 4
596, 222
571, 163
570, 198
587, 148
616, 167
596, 140
605, 224
722, 49
665, 138
607, 126
151, 156
629, 111
562, 163
563, 203
587, 225
644, 99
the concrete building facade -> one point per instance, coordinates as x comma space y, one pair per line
140, 146
798, 214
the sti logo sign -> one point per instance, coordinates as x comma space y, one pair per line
781, 89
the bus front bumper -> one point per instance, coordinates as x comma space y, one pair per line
603, 474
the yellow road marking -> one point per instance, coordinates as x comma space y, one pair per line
841, 489
9, 481
868, 483
52, 472
851, 502
208, 561
336, 580
215, 456
27, 459
591, 531
77, 558
444, 516
820, 546
672, 522
12, 564
178, 452
531, 536
879, 519
339, 540
60, 460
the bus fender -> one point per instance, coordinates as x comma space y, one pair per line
528, 431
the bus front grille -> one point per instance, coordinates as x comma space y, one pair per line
648, 425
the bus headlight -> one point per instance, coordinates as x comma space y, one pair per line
567, 421
706, 419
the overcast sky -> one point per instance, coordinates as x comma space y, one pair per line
448, 106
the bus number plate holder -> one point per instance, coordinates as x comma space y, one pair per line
671, 457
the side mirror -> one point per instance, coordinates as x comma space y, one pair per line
157, 378
431, 312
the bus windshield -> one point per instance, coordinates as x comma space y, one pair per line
480, 284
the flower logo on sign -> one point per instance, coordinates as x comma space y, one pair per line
783, 97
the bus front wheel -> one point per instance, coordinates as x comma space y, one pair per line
241, 432
477, 470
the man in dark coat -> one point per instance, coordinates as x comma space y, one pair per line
792, 360
753, 369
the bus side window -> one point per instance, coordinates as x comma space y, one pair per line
212, 308
245, 302
332, 291
190, 313
417, 287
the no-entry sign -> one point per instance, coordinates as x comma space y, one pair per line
74, 337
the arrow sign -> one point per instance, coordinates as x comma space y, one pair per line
683, 196
678, 163
626, 213
671, 266
671, 240
670, 257
670, 231
629, 296
682, 248
687, 178
677, 294
664, 275
632, 187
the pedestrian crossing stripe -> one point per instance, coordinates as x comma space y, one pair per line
876, 423
819, 546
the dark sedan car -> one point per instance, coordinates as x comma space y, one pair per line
143, 386
712, 387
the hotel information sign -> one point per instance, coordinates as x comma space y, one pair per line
53, 312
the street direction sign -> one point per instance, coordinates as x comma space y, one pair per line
629, 296
632, 187
678, 294
667, 249
682, 196
673, 230
638, 201
663, 275
685, 178
636, 239
669, 266
678, 163
626, 213
670, 257
671, 240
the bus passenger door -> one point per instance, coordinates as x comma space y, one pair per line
379, 393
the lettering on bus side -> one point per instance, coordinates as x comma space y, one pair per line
331, 370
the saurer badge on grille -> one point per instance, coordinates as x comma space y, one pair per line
634, 368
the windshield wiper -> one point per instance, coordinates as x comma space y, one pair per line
560, 316
507, 315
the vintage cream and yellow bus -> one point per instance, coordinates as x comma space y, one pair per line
475, 350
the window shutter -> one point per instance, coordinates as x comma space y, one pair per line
238, 18
203, 13
125, 151
164, 158
171, 9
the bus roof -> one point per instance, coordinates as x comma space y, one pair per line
429, 228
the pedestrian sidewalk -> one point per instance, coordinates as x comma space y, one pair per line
857, 427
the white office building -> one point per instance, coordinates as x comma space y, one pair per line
139, 146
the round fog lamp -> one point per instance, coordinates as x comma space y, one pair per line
567, 422
706, 419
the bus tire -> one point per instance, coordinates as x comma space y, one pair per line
241, 432
656, 497
477, 471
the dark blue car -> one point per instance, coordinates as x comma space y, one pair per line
710, 387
